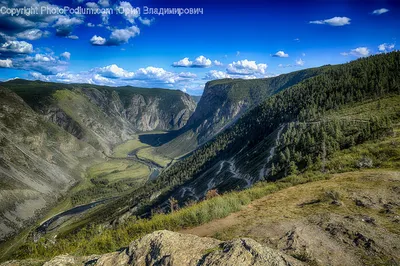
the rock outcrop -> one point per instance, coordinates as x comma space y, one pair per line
170, 248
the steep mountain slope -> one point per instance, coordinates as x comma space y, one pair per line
39, 162
104, 116
223, 102
344, 119
250, 150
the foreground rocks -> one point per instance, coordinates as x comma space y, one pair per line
169, 248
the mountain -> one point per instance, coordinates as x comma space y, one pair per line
39, 162
343, 119
51, 133
223, 102
104, 116
292, 131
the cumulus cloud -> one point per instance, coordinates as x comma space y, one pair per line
199, 62
72, 37
65, 25
117, 37
16, 47
97, 40
39, 76
104, 3
380, 11
13, 25
217, 63
215, 74
146, 21
150, 74
113, 71
280, 54
360, 51
66, 55
300, 62
128, 11
45, 64
335, 21
7, 63
246, 67
32, 34
92, 5
385, 47
90, 25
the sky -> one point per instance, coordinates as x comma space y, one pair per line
117, 43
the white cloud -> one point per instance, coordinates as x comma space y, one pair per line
92, 5
185, 62
39, 76
97, 40
214, 74
66, 55
380, 11
296, 39
360, 52
237, 53
246, 67
32, 34
146, 21
303, 54
16, 47
117, 37
386, 47
45, 64
65, 25
217, 63
104, 3
90, 25
200, 62
120, 36
6, 63
113, 71
187, 75
335, 21
300, 62
280, 54
128, 11
72, 37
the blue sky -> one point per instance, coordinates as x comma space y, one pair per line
231, 39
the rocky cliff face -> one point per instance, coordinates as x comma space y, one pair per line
169, 248
39, 162
223, 102
105, 116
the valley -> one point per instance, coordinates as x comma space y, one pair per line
310, 153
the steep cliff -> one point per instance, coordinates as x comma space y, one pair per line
104, 116
39, 162
223, 102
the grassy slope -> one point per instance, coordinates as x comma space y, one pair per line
344, 185
309, 212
